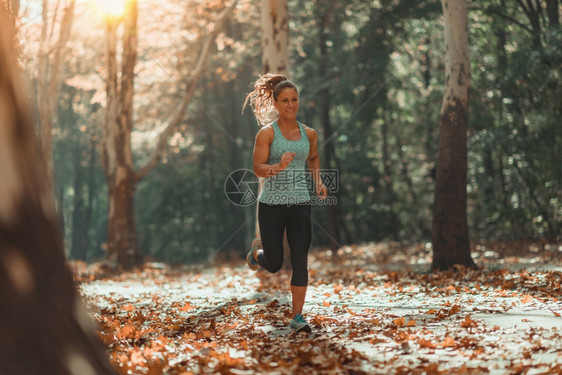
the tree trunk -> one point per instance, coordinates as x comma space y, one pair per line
275, 39
122, 246
117, 156
533, 12
234, 162
426, 62
79, 228
391, 196
45, 329
450, 229
330, 159
501, 35
209, 164
79, 242
275, 59
421, 221
552, 13
116, 150
79, 231
91, 187
50, 78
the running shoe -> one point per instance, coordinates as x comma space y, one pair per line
299, 324
252, 263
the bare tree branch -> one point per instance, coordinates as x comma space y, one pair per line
66, 26
504, 16
162, 143
540, 11
527, 11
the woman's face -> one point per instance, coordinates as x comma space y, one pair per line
287, 103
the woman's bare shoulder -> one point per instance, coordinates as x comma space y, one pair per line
267, 129
311, 133
265, 133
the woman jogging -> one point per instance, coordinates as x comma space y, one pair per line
281, 151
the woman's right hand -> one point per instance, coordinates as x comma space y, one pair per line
286, 159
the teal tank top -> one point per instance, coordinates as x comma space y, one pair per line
291, 185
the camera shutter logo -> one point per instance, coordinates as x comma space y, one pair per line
241, 187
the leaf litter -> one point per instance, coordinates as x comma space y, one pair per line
372, 308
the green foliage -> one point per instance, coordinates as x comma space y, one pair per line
514, 163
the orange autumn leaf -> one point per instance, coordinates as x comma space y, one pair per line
454, 309
411, 323
155, 367
106, 338
127, 331
137, 358
508, 285
186, 336
432, 369
187, 307
448, 342
399, 322
163, 340
376, 340
317, 320
426, 344
244, 345
468, 322
129, 308
326, 303
527, 299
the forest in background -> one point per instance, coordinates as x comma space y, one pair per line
371, 76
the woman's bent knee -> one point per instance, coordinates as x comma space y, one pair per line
275, 268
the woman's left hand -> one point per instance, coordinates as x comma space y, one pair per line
321, 191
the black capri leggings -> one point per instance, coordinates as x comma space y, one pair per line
273, 219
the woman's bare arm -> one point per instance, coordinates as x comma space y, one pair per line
314, 162
261, 155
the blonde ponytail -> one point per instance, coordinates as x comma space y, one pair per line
266, 89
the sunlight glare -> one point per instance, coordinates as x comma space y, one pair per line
111, 8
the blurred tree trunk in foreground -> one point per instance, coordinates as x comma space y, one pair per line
44, 328
451, 244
